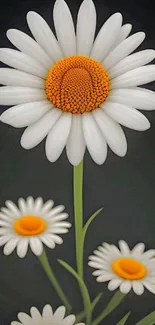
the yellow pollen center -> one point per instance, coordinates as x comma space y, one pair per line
77, 84
29, 225
128, 268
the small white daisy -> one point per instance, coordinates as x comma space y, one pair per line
47, 317
125, 268
75, 89
33, 223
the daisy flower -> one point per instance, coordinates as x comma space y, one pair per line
47, 317
125, 268
33, 223
75, 89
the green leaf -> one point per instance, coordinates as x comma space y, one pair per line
81, 315
93, 216
124, 319
96, 300
148, 320
114, 302
85, 293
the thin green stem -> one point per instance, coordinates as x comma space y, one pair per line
47, 268
78, 216
84, 291
80, 316
113, 303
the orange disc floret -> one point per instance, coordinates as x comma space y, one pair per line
77, 84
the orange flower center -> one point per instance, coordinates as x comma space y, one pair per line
128, 268
29, 225
77, 84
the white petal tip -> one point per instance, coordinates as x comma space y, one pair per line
3, 118
25, 145
30, 15
118, 15
146, 126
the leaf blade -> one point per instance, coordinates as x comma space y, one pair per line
148, 320
124, 319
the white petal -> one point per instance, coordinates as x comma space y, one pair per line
25, 114
36, 245
139, 98
75, 146
106, 37
57, 138
123, 34
13, 208
48, 240
22, 62
47, 206
96, 266
19, 95
149, 286
105, 277
56, 211
94, 139
69, 320
59, 230
47, 313
43, 35
125, 287
22, 247
15, 323
149, 254
27, 45
124, 248
57, 239
10, 246
86, 25
22, 206
36, 315
4, 239
127, 116
58, 217
138, 249
37, 206
59, 313
12, 77
24, 318
136, 77
112, 132
64, 27
30, 204
131, 62
114, 284
138, 287
36, 132
123, 49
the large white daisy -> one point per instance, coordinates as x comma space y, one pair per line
125, 268
47, 317
33, 223
76, 90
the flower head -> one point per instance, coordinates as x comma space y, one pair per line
47, 317
75, 89
125, 268
33, 223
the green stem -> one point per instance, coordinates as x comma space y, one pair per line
84, 291
47, 268
78, 216
113, 303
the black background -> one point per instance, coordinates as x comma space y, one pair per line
125, 187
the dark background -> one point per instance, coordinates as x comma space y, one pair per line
125, 187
